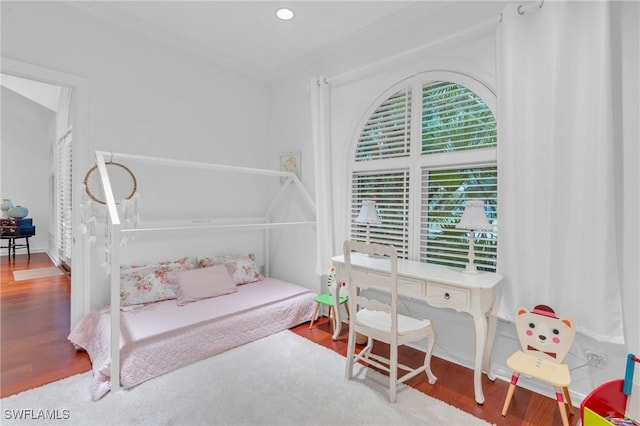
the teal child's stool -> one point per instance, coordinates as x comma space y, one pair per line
327, 299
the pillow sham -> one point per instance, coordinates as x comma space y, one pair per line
205, 262
242, 269
189, 262
147, 284
198, 284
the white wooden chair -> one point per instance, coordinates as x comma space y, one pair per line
379, 320
545, 340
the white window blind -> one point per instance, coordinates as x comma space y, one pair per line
454, 118
438, 161
444, 193
387, 133
390, 190
64, 218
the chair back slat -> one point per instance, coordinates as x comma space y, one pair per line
365, 280
543, 334
362, 280
372, 304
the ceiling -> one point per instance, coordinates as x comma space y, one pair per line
247, 36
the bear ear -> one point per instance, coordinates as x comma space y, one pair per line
522, 311
567, 321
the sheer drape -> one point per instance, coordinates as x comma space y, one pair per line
555, 157
322, 163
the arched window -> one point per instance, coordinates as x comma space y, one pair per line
428, 145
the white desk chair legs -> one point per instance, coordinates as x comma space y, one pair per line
385, 364
379, 319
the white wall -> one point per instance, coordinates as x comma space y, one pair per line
290, 120
144, 98
352, 93
27, 132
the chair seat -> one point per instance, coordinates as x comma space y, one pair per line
530, 365
327, 299
382, 321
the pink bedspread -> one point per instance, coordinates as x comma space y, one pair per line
163, 336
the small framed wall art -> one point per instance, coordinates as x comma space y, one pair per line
290, 162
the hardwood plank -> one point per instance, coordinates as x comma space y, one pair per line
35, 322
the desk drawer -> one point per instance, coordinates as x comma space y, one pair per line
410, 287
445, 296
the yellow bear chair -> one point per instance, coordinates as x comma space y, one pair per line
545, 340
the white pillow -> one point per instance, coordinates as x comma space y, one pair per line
202, 283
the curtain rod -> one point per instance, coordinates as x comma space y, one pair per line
524, 9
530, 7
478, 29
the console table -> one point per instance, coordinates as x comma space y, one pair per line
442, 287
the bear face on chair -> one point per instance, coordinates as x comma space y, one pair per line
543, 334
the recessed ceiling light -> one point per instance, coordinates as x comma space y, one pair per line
284, 14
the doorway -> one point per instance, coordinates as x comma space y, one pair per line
77, 142
37, 135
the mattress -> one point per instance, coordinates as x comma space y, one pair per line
163, 336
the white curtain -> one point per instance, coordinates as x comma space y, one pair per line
320, 118
556, 176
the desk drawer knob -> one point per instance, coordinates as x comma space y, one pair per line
447, 296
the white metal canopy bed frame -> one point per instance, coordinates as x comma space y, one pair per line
118, 232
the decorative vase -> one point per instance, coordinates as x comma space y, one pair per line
18, 212
5, 206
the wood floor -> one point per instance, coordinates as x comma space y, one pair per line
35, 351
35, 326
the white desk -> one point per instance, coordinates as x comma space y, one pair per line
442, 287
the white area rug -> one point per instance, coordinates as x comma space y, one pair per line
283, 379
31, 274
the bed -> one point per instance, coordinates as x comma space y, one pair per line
132, 340
164, 336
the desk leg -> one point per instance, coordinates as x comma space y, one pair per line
491, 335
481, 339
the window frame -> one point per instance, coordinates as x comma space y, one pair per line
416, 162
63, 206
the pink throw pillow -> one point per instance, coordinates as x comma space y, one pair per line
203, 283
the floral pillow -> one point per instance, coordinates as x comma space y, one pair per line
242, 269
205, 262
189, 262
146, 284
